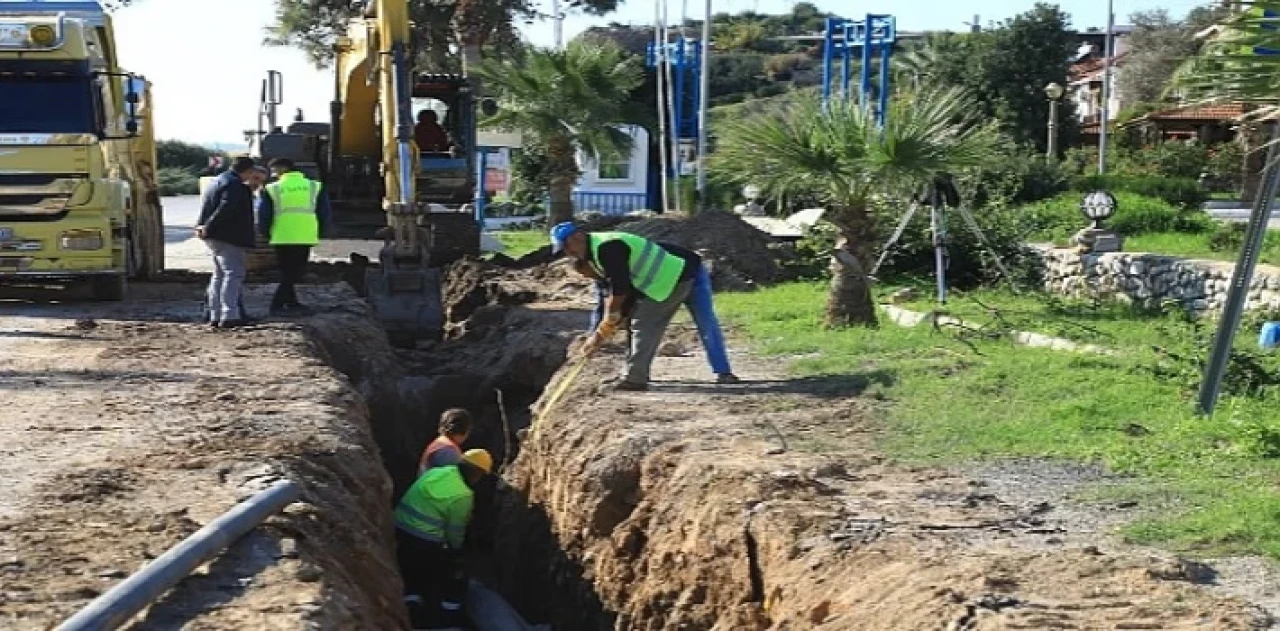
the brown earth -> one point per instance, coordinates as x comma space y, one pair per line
126, 432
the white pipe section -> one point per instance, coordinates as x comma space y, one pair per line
491, 612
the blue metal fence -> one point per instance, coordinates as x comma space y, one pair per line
608, 203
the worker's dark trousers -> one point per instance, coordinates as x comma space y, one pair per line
431, 571
292, 260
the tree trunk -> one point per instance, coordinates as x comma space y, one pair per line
562, 171
1255, 160
849, 301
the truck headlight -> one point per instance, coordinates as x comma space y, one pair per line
42, 35
80, 240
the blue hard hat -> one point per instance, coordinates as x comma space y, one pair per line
560, 233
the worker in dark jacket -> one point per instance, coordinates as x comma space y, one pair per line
293, 213
226, 226
647, 283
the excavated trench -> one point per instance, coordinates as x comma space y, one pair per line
662, 512
501, 350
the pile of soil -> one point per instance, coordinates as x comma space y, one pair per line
741, 256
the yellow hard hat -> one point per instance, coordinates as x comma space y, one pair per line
479, 458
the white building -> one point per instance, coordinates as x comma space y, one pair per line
619, 185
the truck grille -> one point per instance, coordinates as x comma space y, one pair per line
36, 197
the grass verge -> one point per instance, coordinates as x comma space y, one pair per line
518, 243
951, 402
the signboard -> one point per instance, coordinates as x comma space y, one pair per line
496, 180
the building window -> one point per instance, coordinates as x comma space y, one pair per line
614, 168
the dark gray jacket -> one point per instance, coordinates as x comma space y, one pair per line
226, 212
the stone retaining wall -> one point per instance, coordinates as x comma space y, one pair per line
1150, 279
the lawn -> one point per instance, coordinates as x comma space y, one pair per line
520, 242
1197, 246
1131, 412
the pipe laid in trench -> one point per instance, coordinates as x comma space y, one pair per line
126, 599
490, 612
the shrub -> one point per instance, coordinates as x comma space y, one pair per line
178, 181
1180, 192
1018, 175
1059, 218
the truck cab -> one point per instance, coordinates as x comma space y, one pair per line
78, 197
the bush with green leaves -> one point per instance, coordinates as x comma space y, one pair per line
1017, 176
1058, 218
178, 181
1181, 192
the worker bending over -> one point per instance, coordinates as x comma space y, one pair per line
446, 449
646, 282
293, 214
431, 525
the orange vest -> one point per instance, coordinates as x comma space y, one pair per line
441, 443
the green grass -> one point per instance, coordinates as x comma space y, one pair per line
521, 242
1197, 246
950, 404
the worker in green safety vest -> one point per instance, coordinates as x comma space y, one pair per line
431, 526
293, 213
647, 283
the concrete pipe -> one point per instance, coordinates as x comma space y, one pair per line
126, 599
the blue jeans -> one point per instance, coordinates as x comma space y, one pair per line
702, 308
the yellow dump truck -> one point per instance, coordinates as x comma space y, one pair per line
78, 193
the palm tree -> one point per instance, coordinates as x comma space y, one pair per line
565, 102
1229, 68
838, 153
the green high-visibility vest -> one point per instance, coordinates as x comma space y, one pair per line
294, 199
437, 507
654, 271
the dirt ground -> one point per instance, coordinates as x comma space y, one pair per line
128, 426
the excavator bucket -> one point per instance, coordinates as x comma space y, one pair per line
407, 302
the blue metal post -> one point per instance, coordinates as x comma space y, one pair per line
679, 86
847, 67
482, 166
866, 62
827, 58
886, 50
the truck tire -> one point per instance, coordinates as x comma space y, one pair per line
110, 287
454, 235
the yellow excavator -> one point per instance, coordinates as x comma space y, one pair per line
377, 176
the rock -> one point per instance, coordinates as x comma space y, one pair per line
309, 574
289, 548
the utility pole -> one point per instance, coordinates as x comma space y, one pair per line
558, 24
660, 55
1106, 88
704, 100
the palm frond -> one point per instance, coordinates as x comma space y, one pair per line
1240, 62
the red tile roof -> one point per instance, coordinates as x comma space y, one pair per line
1222, 112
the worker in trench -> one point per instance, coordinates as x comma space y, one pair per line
446, 449
643, 284
431, 526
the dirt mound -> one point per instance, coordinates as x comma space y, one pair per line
740, 255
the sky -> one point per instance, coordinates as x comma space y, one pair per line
206, 60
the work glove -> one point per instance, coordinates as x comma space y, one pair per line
604, 332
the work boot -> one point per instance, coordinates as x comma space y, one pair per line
420, 618
231, 324
623, 385
727, 378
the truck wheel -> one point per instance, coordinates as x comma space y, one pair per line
110, 287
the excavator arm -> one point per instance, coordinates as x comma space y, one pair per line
374, 87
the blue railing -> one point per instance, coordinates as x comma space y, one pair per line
609, 203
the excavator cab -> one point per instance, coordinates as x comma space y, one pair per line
445, 132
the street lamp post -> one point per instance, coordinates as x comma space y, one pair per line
1054, 91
